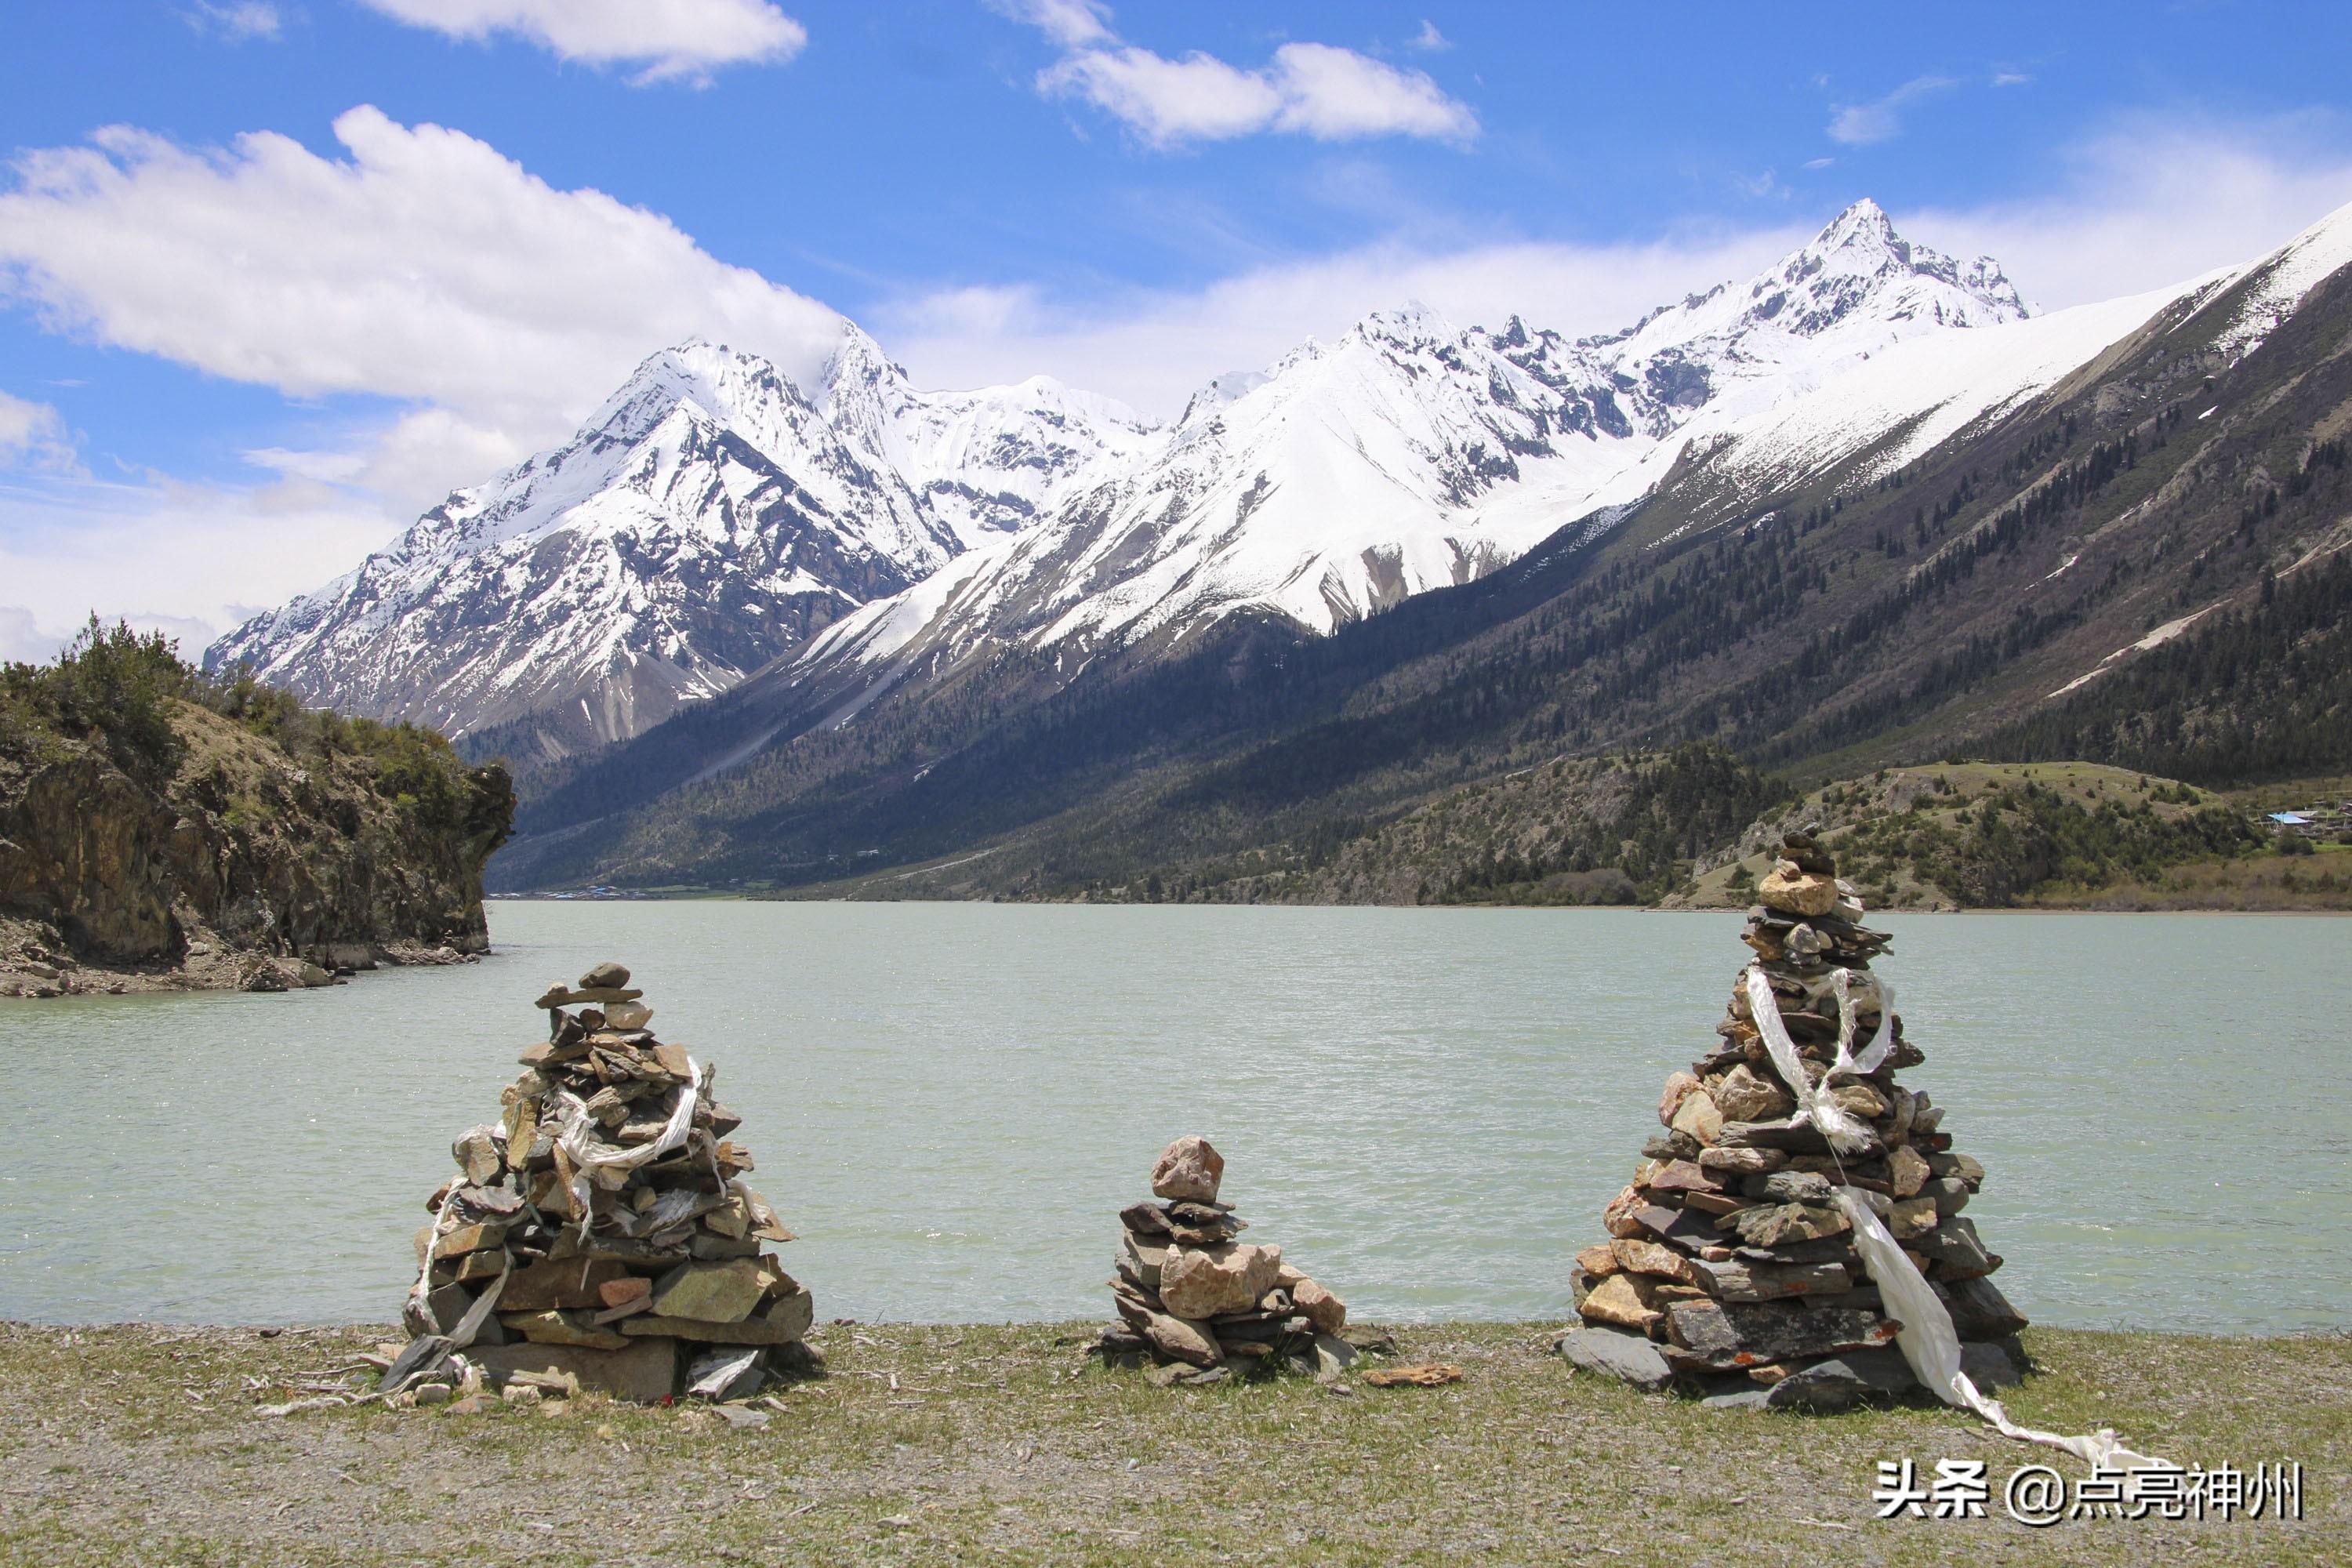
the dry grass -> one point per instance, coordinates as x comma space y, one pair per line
140, 1446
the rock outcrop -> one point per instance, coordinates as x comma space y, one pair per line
213, 855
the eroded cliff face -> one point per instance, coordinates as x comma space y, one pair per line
246, 868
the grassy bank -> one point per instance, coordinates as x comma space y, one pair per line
973, 1444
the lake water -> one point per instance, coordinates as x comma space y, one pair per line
1427, 1108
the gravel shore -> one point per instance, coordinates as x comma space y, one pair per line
998, 1444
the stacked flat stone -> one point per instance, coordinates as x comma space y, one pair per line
1730, 1271
601, 1233
1196, 1304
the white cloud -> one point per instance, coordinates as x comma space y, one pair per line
1336, 95
1429, 40
235, 19
190, 559
1072, 23
1881, 120
671, 39
1153, 349
1314, 90
2011, 79
1818, 162
2142, 207
2150, 202
1198, 98
33, 435
423, 267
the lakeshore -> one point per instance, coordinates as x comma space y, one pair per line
973, 1443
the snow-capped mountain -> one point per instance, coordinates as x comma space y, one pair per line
988, 462
1413, 453
701, 522
712, 520
707, 519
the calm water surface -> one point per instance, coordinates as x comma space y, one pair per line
1426, 1108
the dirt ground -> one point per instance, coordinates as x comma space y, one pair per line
999, 1445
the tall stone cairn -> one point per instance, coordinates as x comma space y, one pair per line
601, 1234
1196, 1304
1730, 1272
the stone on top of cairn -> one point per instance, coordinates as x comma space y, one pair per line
1196, 1302
601, 1234
1730, 1270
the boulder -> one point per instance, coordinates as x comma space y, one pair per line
1204, 1281
1724, 1336
1730, 1162
1736, 1280
782, 1322
1679, 1087
1614, 1352
1743, 1095
1189, 1169
1787, 1187
1629, 1301
1980, 1312
560, 1282
1797, 892
557, 1327
712, 1292
645, 1373
1906, 1172
1784, 1223
1320, 1306
1652, 1259
1698, 1118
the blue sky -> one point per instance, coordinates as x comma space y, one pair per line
276, 274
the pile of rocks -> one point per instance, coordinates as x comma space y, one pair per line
1731, 1271
1196, 1303
601, 1234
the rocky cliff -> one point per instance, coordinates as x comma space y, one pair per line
159, 830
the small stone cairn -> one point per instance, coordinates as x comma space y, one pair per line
601, 1234
1197, 1304
1731, 1272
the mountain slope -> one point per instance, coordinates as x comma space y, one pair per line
1412, 454
1894, 561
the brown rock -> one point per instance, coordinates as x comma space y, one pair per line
1629, 1301
710, 1292
1188, 1169
1683, 1176
1729, 1162
1724, 1335
1599, 1261
1319, 1306
1781, 1224
1906, 1172
1911, 1219
645, 1373
784, 1322
1796, 893
1618, 1218
1679, 1087
1204, 1281
1652, 1259
560, 1328
461, 1239
624, 1289
478, 1154
1698, 1117
1860, 1100
1744, 1095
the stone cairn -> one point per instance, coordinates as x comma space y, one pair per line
1731, 1271
601, 1234
1196, 1303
